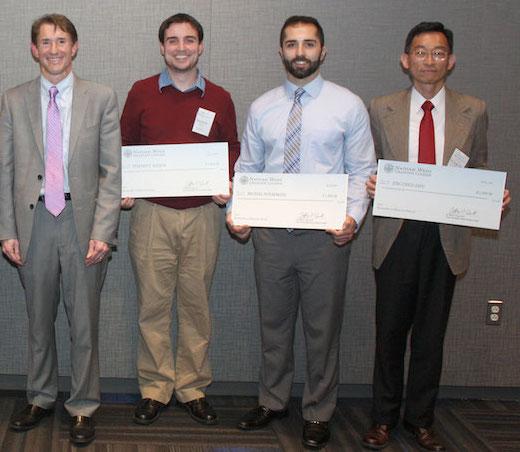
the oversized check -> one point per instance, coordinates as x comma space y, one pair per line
195, 169
300, 201
440, 194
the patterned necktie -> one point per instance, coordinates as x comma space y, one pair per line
54, 197
291, 158
427, 135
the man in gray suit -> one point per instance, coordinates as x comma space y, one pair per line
60, 182
416, 262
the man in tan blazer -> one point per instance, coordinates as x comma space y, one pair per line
61, 240
416, 262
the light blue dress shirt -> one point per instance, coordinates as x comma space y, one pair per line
64, 101
166, 80
336, 137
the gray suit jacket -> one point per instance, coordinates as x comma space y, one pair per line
466, 129
94, 166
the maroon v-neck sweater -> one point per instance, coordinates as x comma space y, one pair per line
151, 116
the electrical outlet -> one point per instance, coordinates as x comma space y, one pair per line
494, 312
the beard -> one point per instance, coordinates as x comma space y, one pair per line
301, 73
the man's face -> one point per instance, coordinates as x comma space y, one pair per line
302, 53
181, 48
54, 51
429, 60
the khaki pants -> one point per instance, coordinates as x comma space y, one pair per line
173, 251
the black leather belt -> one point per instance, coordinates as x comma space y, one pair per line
66, 195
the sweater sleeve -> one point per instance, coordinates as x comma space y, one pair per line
229, 133
131, 118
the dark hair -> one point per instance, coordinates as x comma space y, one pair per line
294, 20
181, 18
428, 27
59, 21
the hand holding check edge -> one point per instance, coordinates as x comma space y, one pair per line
220, 200
340, 236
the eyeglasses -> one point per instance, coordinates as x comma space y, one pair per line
437, 55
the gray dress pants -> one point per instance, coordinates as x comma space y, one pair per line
300, 269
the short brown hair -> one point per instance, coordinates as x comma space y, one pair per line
58, 20
181, 18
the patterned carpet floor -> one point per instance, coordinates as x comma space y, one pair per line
462, 425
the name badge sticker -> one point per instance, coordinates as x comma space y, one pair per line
458, 159
203, 121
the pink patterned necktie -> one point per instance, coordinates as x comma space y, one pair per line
54, 196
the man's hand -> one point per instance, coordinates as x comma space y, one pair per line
346, 234
506, 199
242, 232
223, 198
127, 203
371, 186
11, 248
97, 251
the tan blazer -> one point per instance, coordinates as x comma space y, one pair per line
466, 129
94, 166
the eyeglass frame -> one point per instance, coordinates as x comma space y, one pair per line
436, 54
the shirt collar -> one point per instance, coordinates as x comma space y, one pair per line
312, 88
62, 86
165, 80
417, 99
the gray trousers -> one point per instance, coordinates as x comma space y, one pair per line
54, 259
300, 269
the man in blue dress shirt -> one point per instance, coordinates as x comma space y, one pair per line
304, 268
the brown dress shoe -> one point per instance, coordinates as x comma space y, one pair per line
260, 417
28, 418
424, 437
201, 411
82, 430
377, 437
147, 411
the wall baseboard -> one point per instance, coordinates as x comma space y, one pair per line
127, 390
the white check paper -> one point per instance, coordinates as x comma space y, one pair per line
195, 169
299, 201
440, 194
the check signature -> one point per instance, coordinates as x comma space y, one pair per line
458, 212
310, 217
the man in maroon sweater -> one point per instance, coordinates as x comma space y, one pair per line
174, 242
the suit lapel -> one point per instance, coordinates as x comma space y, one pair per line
34, 108
79, 106
457, 125
395, 121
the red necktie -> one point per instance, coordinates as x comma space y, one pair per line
427, 135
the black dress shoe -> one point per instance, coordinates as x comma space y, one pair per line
200, 410
377, 437
316, 434
82, 430
147, 411
424, 437
260, 417
28, 418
